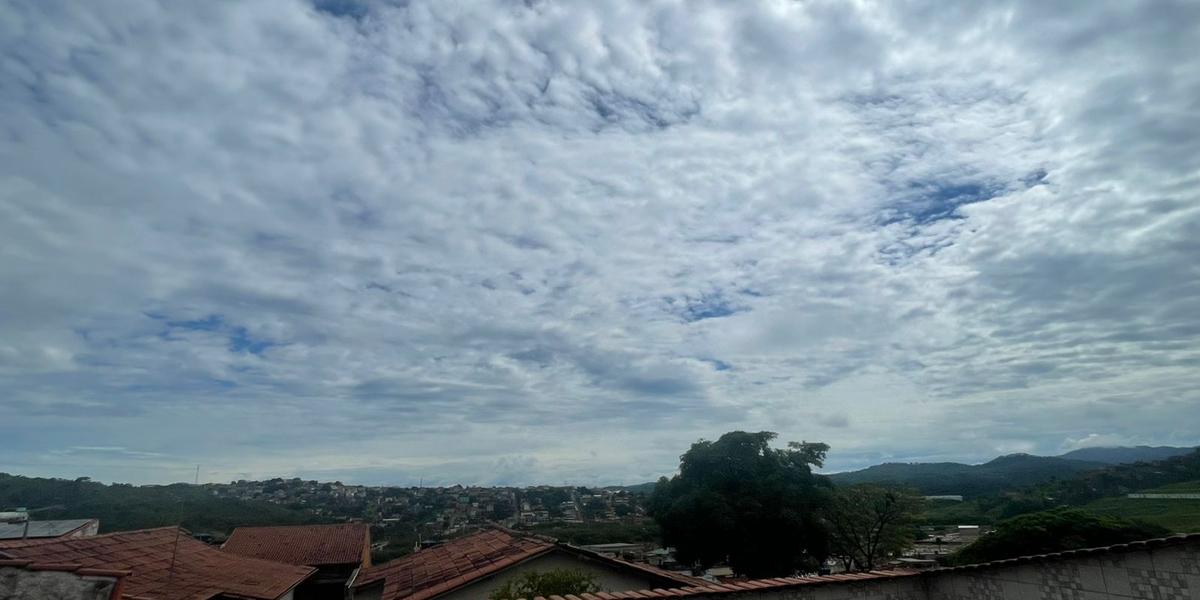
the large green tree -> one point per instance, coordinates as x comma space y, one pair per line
738, 499
1054, 531
555, 582
869, 524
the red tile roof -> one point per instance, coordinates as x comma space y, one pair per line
76, 568
707, 588
434, 571
118, 577
166, 564
312, 545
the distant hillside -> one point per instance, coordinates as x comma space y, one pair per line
639, 488
1003, 473
1120, 455
122, 507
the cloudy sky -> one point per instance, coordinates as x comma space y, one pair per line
553, 241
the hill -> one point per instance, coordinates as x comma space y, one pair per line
640, 488
1003, 473
1118, 455
121, 506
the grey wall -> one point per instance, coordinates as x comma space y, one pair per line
1166, 573
1169, 573
24, 584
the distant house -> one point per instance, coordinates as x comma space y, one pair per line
164, 564
470, 567
20, 527
336, 551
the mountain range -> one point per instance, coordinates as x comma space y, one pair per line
1002, 473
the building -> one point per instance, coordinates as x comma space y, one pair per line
470, 567
15, 526
336, 551
28, 580
166, 564
1164, 568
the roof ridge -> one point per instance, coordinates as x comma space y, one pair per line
358, 523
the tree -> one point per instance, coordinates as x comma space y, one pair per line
555, 582
740, 500
869, 524
1054, 531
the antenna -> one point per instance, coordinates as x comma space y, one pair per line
197, 482
175, 546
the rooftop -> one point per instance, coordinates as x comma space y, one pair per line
164, 563
312, 545
41, 529
434, 571
706, 589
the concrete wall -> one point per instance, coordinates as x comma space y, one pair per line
24, 584
1168, 573
1165, 573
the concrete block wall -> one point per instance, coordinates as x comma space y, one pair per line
1163, 573
23, 584
1170, 573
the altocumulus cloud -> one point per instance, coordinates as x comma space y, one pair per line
553, 241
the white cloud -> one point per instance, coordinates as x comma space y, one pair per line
557, 242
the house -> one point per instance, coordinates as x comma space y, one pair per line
1158, 568
165, 564
470, 567
336, 551
28, 580
15, 526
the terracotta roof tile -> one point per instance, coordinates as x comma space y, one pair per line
197, 572
432, 571
312, 545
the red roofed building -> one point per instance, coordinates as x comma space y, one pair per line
471, 567
166, 564
28, 579
336, 551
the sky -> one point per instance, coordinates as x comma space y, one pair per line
558, 242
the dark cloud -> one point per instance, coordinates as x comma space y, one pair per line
507, 243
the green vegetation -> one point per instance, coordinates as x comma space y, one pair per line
555, 582
740, 500
970, 481
1183, 487
121, 506
1054, 531
869, 524
1177, 515
582, 534
1102, 490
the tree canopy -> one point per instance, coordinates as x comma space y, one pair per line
1054, 531
870, 524
737, 499
555, 582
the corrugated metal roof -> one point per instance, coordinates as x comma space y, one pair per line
41, 529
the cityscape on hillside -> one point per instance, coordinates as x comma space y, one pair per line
599, 300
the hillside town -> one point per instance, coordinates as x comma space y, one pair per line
446, 508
